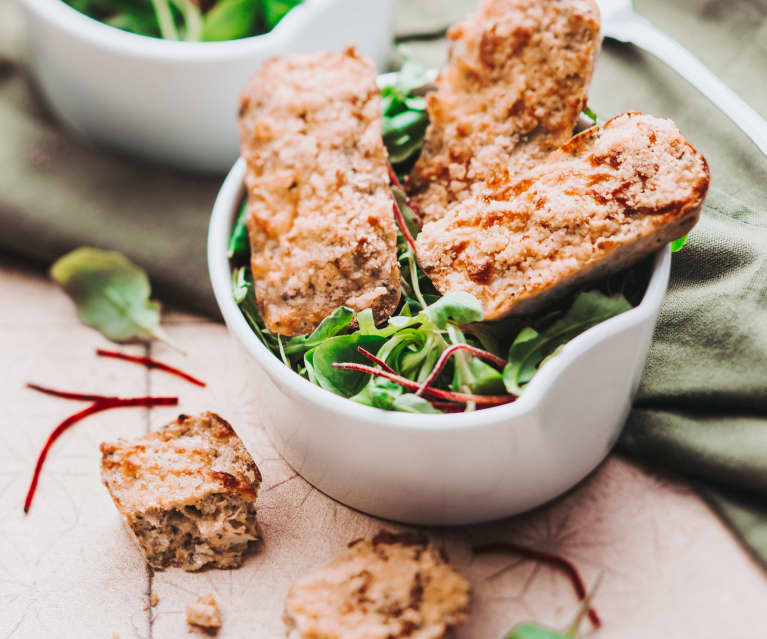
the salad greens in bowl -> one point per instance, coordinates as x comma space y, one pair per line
435, 416
188, 20
434, 354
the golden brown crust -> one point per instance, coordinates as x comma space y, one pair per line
608, 198
511, 93
320, 217
397, 585
204, 613
187, 492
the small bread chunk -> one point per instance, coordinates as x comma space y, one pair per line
204, 613
397, 585
611, 196
320, 210
187, 492
511, 93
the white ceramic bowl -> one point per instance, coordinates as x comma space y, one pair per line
175, 102
453, 468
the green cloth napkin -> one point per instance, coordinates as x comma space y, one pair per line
702, 405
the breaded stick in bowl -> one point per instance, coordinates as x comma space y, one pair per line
511, 93
320, 219
608, 198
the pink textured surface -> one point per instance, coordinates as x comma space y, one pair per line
68, 569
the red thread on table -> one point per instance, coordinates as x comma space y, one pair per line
150, 363
553, 560
487, 400
448, 352
101, 403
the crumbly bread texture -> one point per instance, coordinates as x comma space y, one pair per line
397, 585
608, 198
187, 492
511, 93
320, 210
204, 613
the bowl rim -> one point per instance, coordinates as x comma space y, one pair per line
221, 221
97, 33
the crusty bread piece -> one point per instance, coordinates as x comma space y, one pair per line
187, 492
204, 613
515, 83
320, 215
397, 585
611, 196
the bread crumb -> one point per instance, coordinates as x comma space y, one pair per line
187, 493
394, 586
204, 613
153, 599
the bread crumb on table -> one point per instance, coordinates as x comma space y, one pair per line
187, 492
204, 613
395, 585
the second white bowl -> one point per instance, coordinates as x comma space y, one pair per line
176, 102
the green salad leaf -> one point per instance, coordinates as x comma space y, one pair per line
404, 118
276, 10
678, 245
342, 348
333, 324
111, 294
536, 631
238, 249
532, 631
184, 19
230, 20
412, 403
457, 306
530, 347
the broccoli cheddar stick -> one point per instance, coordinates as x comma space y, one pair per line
510, 94
320, 219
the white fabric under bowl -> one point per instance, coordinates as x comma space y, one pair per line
452, 468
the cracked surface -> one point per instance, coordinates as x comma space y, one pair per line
320, 217
607, 199
187, 493
510, 94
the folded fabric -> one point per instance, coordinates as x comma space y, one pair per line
702, 404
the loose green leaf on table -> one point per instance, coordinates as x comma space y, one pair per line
111, 294
531, 631
536, 631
